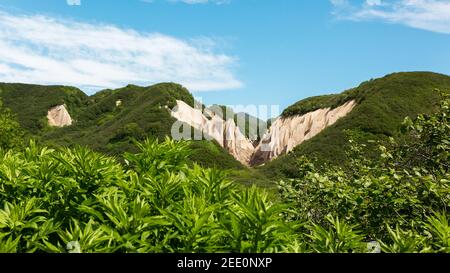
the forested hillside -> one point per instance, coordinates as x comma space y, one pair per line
382, 104
79, 201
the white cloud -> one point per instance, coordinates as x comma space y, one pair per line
74, 2
202, 1
191, 2
374, 2
431, 15
339, 3
45, 50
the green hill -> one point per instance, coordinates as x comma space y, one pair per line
102, 125
31, 102
382, 105
108, 128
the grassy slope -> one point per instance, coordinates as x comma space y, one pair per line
382, 105
102, 126
31, 102
107, 128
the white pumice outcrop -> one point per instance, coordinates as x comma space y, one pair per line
282, 137
58, 116
287, 133
226, 133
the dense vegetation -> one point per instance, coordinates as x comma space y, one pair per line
104, 126
401, 200
76, 200
11, 134
382, 105
31, 102
107, 127
110, 129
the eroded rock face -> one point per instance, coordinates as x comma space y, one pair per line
237, 144
226, 133
59, 117
287, 133
283, 136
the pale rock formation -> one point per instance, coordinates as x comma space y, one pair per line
226, 133
237, 144
59, 117
287, 133
283, 136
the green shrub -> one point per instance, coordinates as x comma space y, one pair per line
77, 200
393, 200
11, 134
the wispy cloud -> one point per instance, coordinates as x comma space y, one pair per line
431, 15
191, 2
46, 50
73, 2
202, 1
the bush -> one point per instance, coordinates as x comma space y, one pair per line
76, 200
394, 200
11, 134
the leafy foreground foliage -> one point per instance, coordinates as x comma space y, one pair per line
76, 200
11, 134
401, 200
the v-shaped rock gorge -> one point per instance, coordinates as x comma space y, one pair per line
283, 136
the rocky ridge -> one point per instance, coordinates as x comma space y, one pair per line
283, 136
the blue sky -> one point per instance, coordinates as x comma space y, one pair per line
225, 51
